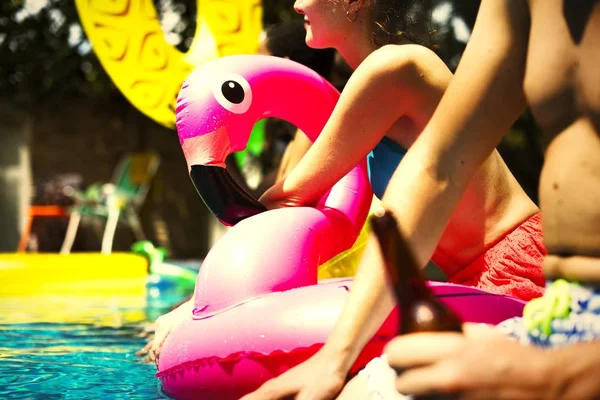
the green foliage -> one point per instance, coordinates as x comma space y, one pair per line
42, 55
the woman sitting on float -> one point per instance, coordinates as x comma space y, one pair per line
493, 240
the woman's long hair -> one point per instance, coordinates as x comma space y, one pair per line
403, 21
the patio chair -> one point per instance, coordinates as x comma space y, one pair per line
117, 201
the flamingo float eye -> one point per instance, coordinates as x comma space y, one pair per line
233, 93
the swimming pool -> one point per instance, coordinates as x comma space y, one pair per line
78, 347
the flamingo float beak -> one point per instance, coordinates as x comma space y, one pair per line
227, 200
214, 98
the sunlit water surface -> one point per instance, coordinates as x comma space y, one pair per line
83, 347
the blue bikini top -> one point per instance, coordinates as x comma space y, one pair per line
382, 162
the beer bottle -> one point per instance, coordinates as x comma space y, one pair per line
419, 310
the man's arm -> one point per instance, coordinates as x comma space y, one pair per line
483, 364
574, 371
483, 100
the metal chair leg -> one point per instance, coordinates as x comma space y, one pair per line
135, 224
110, 229
72, 227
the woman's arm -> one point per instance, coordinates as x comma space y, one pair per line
392, 82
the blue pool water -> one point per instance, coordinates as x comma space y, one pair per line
56, 347
70, 361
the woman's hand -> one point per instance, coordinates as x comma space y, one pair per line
481, 364
278, 197
318, 378
163, 326
148, 333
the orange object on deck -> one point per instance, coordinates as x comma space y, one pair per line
39, 211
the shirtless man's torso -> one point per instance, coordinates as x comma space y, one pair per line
562, 86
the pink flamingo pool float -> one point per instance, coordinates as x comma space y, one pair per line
259, 309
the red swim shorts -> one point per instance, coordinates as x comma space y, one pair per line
513, 266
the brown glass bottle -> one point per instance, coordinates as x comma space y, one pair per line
419, 310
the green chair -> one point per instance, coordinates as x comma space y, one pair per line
119, 200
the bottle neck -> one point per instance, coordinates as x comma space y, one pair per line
420, 310
412, 290
402, 267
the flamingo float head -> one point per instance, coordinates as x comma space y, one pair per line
220, 102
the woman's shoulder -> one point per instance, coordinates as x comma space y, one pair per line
409, 59
413, 52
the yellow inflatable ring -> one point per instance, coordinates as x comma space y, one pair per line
128, 40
